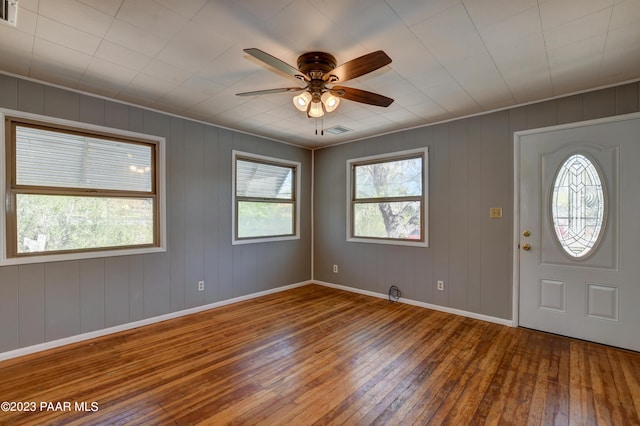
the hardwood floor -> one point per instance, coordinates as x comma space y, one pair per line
315, 355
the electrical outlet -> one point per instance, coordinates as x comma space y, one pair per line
441, 285
335, 269
200, 285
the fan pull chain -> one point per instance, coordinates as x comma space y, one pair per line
321, 126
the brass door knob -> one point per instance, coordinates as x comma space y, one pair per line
526, 247
526, 233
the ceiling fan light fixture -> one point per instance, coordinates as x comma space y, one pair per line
317, 70
330, 102
315, 110
302, 100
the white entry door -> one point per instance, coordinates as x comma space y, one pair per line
579, 230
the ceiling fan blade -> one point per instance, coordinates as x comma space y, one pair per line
357, 67
271, 91
361, 96
276, 63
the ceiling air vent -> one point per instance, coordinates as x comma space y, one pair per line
9, 11
338, 130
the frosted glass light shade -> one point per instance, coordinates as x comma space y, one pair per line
316, 111
302, 100
330, 102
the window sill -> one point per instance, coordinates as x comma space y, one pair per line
78, 256
405, 243
265, 240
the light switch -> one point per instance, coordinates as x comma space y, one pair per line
495, 213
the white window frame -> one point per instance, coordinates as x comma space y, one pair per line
424, 220
86, 253
297, 179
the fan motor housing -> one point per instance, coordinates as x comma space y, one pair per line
316, 61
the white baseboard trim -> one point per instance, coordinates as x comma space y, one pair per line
454, 311
147, 321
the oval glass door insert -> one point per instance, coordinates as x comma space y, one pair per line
578, 206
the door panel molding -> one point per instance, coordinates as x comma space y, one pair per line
603, 302
552, 295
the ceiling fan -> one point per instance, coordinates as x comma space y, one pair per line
320, 73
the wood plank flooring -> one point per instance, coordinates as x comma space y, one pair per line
315, 355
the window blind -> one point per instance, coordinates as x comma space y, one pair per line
47, 158
262, 180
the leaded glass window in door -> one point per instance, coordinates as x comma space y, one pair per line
578, 205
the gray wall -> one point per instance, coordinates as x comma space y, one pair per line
471, 170
48, 301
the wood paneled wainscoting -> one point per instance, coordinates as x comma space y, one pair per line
316, 355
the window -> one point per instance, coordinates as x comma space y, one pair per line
578, 205
265, 198
75, 192
387, 198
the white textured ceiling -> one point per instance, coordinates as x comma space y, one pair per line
451, 58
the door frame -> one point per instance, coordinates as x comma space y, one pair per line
515, 313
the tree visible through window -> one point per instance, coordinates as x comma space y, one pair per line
388, 197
